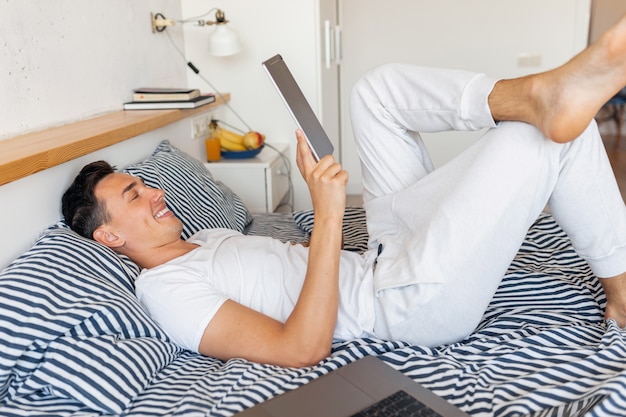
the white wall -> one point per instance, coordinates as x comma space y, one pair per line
63, 60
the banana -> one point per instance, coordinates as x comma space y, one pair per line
231, 141
231, 136
231, 146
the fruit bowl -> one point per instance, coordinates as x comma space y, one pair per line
242, 154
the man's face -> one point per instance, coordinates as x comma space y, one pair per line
138, 217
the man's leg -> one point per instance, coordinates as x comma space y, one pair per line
467, 219
393, 103
563, 101
449, 232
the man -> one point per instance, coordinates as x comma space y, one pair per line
446, 235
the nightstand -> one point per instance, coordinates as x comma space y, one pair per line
262, 182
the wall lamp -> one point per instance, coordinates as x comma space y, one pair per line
223, 41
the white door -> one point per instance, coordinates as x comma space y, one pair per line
329, 71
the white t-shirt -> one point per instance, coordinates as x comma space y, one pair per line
262, 273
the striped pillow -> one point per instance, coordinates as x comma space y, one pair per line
71, 327
198, 200
355, 234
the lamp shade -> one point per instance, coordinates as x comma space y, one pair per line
224, 41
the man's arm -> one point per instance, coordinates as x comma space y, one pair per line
306, 336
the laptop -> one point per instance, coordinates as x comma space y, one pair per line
298, 106
354, 390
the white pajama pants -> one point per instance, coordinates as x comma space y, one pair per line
448, 235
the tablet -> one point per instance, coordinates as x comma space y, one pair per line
298, 106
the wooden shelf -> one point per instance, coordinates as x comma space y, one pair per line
27, 154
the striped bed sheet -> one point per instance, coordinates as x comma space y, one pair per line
541, 349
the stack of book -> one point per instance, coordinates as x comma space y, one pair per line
167, 98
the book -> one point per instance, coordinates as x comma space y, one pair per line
164, 94
158, 105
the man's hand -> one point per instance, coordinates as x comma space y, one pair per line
326, 179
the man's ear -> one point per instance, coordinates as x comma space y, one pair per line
107, 238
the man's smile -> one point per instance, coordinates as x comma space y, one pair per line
162, 213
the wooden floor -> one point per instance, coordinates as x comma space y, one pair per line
616, 149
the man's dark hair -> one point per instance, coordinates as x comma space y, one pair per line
81, 209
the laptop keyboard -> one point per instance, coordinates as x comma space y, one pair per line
398, 404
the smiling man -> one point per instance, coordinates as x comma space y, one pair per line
147, 232
441, 240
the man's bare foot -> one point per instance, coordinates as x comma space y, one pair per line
615, 291
563, 101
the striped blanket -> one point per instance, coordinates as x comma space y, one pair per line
542, 349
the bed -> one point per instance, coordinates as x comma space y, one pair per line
75, 342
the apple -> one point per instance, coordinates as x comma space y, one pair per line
253, 140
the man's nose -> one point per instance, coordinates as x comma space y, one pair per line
157, 194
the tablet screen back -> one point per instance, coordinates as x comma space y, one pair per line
298, 106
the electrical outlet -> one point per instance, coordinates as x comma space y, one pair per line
200, 126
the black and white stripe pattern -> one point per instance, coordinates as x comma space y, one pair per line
278, 225
542, 348
71, 328
354, 227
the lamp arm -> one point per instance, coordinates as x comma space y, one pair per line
219, 18
160, 22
